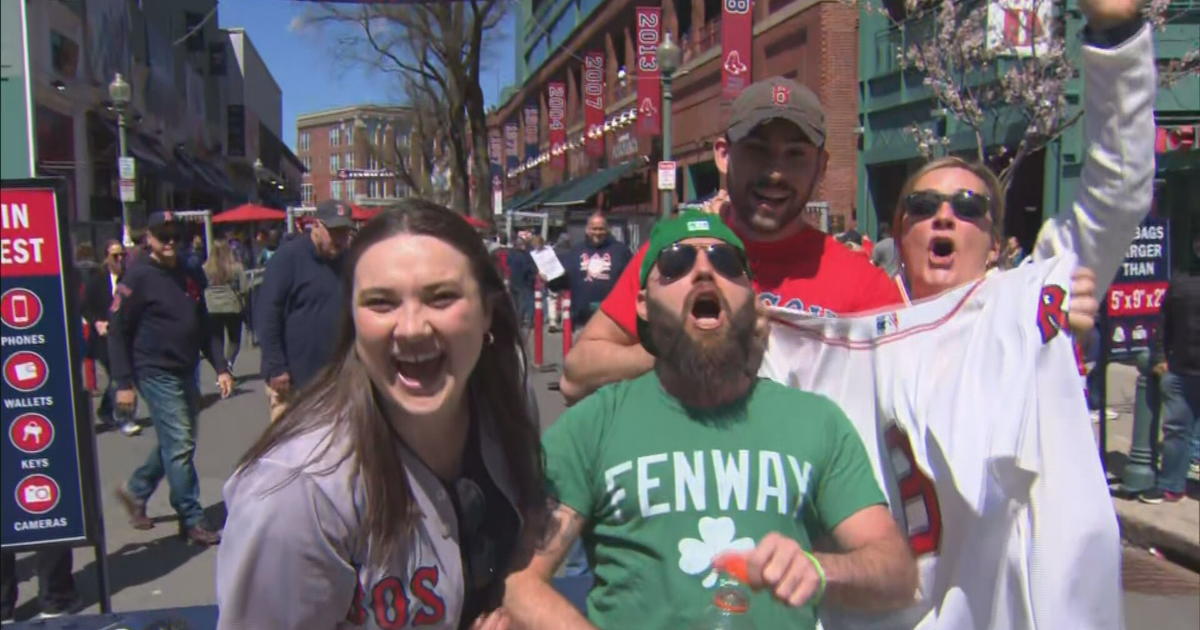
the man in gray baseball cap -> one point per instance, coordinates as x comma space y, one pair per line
772, 154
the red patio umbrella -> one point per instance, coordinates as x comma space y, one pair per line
478, 224
249, 212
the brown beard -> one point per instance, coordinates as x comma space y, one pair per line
714, 369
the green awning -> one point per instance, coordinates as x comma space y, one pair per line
579, 190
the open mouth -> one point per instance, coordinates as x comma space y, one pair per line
941, 250
420, 371
706, 309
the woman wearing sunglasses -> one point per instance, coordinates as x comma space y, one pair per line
364, 504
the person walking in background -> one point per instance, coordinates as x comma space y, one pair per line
522, 279
1013, 253
1176, 359
156, 333
592, 269
884, 255
223, 297
97, 299
299, 306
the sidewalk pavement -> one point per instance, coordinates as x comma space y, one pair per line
1173, 528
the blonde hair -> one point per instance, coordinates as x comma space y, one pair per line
995, 192
221, 267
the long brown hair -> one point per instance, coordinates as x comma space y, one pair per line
343, 397
221, 266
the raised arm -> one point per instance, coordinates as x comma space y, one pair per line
1116, 185
529, 597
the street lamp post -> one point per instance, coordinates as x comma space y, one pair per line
669, 58
120, 92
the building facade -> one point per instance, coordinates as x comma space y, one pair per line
182, 70
892, 99
351, 153
811, 41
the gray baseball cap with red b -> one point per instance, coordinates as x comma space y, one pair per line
777, 97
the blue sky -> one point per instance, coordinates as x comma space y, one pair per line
302, 62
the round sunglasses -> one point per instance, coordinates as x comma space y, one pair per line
676, 261
967, 205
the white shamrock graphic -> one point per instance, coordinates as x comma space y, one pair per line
716, 536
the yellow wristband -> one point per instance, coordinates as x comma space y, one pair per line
820, 573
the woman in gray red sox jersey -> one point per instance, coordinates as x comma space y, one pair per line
363, 506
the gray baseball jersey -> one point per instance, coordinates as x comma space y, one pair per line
295, 556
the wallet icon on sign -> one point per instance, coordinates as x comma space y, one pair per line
26, 371
38, 494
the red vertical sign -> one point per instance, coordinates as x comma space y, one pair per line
649, 90
556, 112
593, 102
737, 33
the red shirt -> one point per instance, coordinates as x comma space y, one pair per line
809, 271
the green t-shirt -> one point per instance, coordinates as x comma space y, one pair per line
664, 488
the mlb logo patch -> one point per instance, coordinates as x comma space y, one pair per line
695, 226
885, 324
341, 210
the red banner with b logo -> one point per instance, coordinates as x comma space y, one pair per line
556, 112
737, 33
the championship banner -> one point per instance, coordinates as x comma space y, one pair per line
531, 141
737, 33
495, 145
556, 111
649, 90
593, 102
511, 136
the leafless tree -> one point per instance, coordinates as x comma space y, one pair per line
436, 49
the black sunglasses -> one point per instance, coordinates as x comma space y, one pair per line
967, 205
480, 553
677, 260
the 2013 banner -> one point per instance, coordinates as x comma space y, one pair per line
649, 90
737, 33
593, 102
556, 112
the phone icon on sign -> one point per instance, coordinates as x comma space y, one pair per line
20, 309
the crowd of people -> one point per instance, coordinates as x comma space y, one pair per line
884, 434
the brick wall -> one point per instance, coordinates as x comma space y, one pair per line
838, 90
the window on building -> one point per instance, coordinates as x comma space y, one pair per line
335, 190
349, 160
307, 162
335, 136
334, 163
350, 134
306, 194
302, 142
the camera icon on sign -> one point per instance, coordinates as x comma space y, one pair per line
38, 494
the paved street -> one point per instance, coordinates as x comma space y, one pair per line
153, 569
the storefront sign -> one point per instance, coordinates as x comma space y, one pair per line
556, 111
623, 146
593, 102
45, 428
1136, 295
737, 33
649, 88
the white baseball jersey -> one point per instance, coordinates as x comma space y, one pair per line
983, 445
295, 557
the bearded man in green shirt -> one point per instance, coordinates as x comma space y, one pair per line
661, 474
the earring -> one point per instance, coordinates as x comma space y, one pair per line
489, 338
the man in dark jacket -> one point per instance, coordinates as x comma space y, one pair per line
593, 268
299, 304
1176, 361
522, 276
158, 326
97, 299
